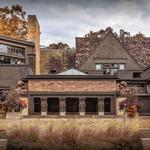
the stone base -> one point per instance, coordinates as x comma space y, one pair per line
13, 115
100, 113
2, 114
146, 143
3, 144
62, 113
43, 113
24, 112
82, 113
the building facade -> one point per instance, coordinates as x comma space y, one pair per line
93, 88
19, 58
73, 94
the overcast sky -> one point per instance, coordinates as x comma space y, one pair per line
63, 20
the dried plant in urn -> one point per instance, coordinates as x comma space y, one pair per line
131, 105
11, 99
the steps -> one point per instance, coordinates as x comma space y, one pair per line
145, 138
3, 140
2, 115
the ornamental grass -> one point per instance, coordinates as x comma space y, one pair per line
73, 138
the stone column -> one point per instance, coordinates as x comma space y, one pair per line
43, 106
62, 106
101, 106
82, 106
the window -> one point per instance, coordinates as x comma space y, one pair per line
12, 50
110, 68
53, 104
72, 105
1, 97
98, 66
136, 74
37, 105
121, 66
91, 105
107, 104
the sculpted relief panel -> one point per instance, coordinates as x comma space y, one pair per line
72, 85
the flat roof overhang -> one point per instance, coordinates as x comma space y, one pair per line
90, 94
134, 81
24, 42
43, 77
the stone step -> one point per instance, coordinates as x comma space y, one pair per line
144, 132
2, 114
145, 143
3, 134
3, 140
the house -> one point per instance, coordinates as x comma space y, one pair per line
19, 58
93, 88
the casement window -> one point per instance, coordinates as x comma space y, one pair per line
53, 105
72, 105
136, 74
12, 50
98, 66
91, 105
37, 105
11, 54
121, 66
107, 104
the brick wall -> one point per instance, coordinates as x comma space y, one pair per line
72, 85
34, 35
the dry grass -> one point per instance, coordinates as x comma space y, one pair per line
73, 138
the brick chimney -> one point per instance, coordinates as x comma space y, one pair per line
34, 36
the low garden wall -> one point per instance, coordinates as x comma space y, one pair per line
89, 122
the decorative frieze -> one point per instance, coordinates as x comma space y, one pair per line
62, 85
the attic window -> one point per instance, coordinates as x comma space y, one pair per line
110, 68
136, 74
53, 71
98, 66
121, 66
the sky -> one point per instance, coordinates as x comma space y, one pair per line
63, 20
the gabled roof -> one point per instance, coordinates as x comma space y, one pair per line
138, 48
72, 72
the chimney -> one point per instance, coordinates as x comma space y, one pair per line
34, 36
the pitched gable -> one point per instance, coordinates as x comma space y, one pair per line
110, 50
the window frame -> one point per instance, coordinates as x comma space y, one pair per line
36, 113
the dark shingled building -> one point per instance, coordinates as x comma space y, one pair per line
102, 62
